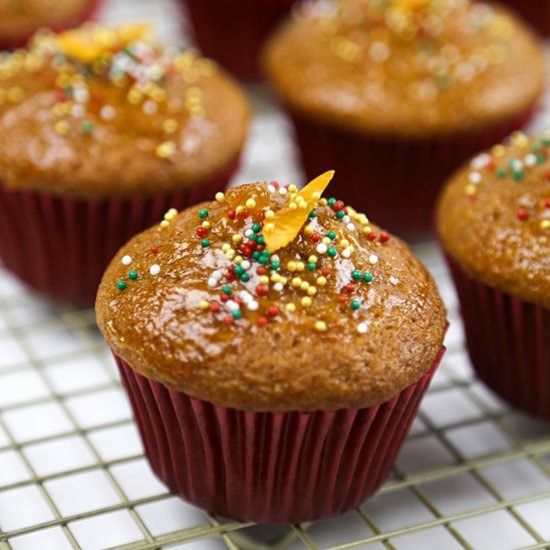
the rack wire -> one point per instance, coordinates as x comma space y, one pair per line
473, 473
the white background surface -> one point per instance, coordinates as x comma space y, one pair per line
473, 474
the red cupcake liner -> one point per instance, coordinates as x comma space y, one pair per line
534, 12
393, 181
233, 32
92, 9
273, 468
508, 340
61, 246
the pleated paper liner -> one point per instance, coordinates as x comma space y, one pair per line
535, 13
395, 182
233, 32
272, 468
61, 246
91, 11
508, 340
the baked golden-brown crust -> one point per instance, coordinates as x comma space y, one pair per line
493, 218
145, 121
23, 17
378, 67
338, 320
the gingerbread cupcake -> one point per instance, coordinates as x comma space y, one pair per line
275, 346
396, 95
102, 131
493, 220
20, 19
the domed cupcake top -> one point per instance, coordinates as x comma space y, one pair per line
110, 112
406, 66
273, 299
494, 217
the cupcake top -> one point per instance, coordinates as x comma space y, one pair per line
493, 217
406, 67
272, 300
23, 17
100, 112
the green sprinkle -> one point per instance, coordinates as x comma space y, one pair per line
311, 266
205, 243
535, 147
262, 260
260, 239
368, 276
255, 254
226, 289
540, 159
355, 304
331, 252
518, 176
545, 141
331, 201
203, 213
236, 314
133, 275
357, 275
87, 127
245, 277
256, 228
340, 214
331, 235
501, 172
275, 265
239, 270
312, 214
252, 237
121, 285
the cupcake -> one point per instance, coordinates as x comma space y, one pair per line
493, 219
20, 19
233, 32
275, 347
534, 12
102, 131
396, 95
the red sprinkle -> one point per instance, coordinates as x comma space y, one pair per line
214, 307
261, 290
371, 236
350, 287
522, 214
273, 311
260, 270
343, 299
262, 321
200, 231
491, 165
224, 298
239, 301
231, 214
338, 205
154, 250
275, 184
325, 272
229, 276
547, 203
315, 237
228, 320
384, 237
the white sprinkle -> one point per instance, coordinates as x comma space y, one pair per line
379, 52
231, 305
245, 264
283, 190
248, 232
81, 94
393, 280
245, 296
275, 258
278, 287
480, 161
516, 164
150, 107
346, 253
127, 260
154, 269
211, 282
350, 227
530, 160
346, 219
107, 112
271, 188
362, 328
373, 259
322, 248
474, 177
252, 306
78, 111
217, 275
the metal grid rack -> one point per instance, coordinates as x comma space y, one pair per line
473, 473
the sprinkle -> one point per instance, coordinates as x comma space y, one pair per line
373, 259
355, 304
203, 213
62, 127
170, 126
474, 177
107, 112
311, 291
212, 282
126, 260
252, 305
362, 328
206, 243
262, 321
133, 275
384, 237
332, 252
154, 269
166, 150
236, 314
220, 196
320, 326
290, 307
321, 248
346, 253
203, 304
368, 277
393, 280
121, 285
306, 301
321, 281
273, 311
545, 224
87, 127
357, 275
522, 214
251, 203
278, 287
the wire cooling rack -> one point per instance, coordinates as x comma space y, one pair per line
473, 473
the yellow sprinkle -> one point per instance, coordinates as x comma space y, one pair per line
470, 189
170, 126
292, 205
203, 304
367, 229
220, 196
321, 326
545, 224
296, 282
166, 150
158, 94
16, 94
269, 214
170, 214
226, 247
303, 205
164, 224
316, 195
283, 281
206, 224
300, 266
230, 254
58, 109
344, 243
304, 285
498, 150
312, 291
323, 202
251, 203
290, 307
321, 281
62, 127
292, 189
264, 279
239, 209
269, 228
308, 230
306, 301
326, 240
236, 238
238, 260
291, 266
275, 277
312, 259
134, 96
